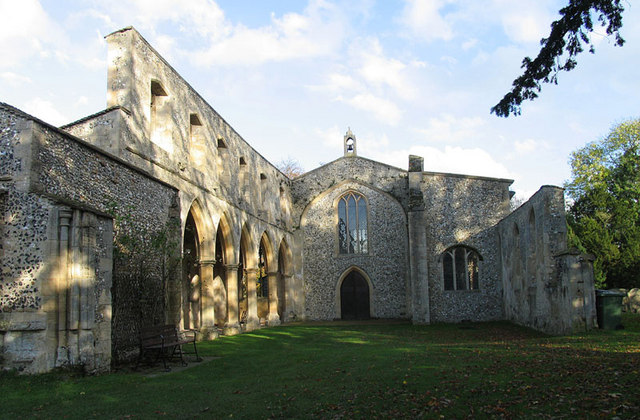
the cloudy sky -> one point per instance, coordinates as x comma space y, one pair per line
408, 76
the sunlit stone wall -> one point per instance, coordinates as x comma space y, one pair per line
463, 210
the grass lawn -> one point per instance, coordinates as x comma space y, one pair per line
375, 370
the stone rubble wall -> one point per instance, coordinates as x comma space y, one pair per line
385, 264
462, 210
45, 171
545, 286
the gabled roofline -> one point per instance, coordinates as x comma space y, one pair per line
445, 174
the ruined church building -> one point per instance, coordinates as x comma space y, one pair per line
156, 211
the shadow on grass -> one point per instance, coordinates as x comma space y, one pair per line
365, 370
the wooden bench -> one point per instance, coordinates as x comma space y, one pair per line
165, 341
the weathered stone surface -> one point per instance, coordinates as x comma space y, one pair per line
83, 209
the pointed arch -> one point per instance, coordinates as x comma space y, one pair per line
285, 258
285, 292
197, 247
225, 238
361, 293
204, 227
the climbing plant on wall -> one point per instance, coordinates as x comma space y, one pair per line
146, 260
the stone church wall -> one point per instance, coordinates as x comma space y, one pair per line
546, 286
188, 144
385, 264
463, 210
183, 141
58, 184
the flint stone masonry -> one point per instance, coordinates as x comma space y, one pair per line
384, 265
155, 210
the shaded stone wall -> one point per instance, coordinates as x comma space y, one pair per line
55, 172
545, 286
463, 210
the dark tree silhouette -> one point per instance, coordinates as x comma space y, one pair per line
568, 38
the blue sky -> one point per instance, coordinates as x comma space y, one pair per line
408, 77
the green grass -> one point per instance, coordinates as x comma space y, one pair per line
487, 370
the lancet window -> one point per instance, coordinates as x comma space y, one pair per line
353, 236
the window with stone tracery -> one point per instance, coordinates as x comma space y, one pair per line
352, 224
460, 268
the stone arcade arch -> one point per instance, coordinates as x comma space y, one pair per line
268, 281
354, 295
196, 309
191, 285
223, 260
247, 275
285, 291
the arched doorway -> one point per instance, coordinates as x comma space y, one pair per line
191, 284
354, 297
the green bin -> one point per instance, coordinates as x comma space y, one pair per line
609, 309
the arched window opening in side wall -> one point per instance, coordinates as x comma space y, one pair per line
262, 287
460, 268
353, 237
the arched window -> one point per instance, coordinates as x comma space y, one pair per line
460, 268
352, 224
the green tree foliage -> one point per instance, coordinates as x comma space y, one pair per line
568, 38
605, 213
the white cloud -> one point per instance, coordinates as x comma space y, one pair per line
423, 19
456, 160
26, 31
377, 69
383, 109
526, 21
201, 17
450, 129
317, 32
13, 79
46, 111
331, 137
525, 146
467, 45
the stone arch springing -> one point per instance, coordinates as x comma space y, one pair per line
247, 272
354, 295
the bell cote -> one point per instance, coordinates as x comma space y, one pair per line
350, 144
